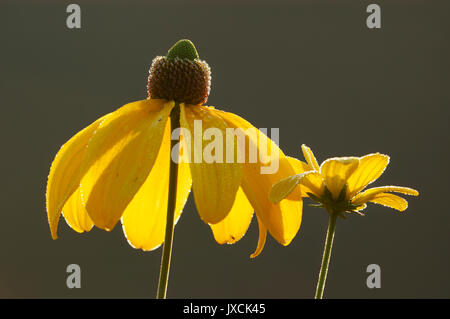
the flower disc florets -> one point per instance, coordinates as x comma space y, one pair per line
179, 79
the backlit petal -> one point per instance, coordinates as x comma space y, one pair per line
144, 219
261, 239
371, 193
370, 168
235, 225
390, 200
300, 167
311, 183
65, 174
336, 171
310, 158
214, 181
75, 214
361, 207
119, 158
284, 218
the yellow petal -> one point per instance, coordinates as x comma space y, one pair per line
235, 225
65, 174
261, 239
75, 214
300, 167
336, 171
214, 182
284, 218
371, 193
370, 168
310, 158
390, 200
311, 183
144, 219
119, 158
283, 188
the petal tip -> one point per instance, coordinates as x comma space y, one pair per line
254, 255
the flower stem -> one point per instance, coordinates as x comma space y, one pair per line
326, 255
173, 177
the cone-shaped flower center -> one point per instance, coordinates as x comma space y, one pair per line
180, 75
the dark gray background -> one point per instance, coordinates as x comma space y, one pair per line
312, 69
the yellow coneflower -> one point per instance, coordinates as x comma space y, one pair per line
120, 167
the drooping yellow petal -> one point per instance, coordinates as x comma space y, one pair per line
214, 181
284, 218
235, 225
390, 200
310, 158
75, 214
65, 174
144, 219
336, 171
370, 168
261, 239
119, 158
370, 194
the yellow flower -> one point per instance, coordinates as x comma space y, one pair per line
339, 182
118, 168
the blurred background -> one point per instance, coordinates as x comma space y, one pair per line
314, 70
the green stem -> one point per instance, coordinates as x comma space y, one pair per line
173, 177
326, 255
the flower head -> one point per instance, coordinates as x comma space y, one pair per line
117, 168
338, 183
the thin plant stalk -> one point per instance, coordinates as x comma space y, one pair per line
173, 178
326, 255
